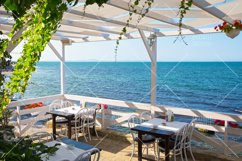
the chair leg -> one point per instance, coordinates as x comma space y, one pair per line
158, 153
89, 135
147, 149
84, 134
190, 149
181, 152
154, 150
185, 153
94, 127
76, 134
132, 151
174, 155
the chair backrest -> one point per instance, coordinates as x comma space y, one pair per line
91, 114
183, 137
179, 140
145, 116
132, 122
89, 155
190, 130
67, 104
54, 106
80, 117
41, 137
57, 101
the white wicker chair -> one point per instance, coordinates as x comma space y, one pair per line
67, 104
188, 139
91, 120
57, 101
54, 106
146, 139
89, 155
176, 144
145, 116
78, 124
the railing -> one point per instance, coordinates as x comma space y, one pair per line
22, 125
139, 107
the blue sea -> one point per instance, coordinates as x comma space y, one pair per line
212, 86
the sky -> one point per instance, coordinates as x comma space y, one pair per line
206, 47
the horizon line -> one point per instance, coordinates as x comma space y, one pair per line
232, 61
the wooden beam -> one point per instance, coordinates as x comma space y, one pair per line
145, 41
89, 33
96, 17
153, 15
11, 45
55, 51
87, 26
203, 5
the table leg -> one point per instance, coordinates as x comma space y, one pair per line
69, 128
167, 150
54, 126
139, 146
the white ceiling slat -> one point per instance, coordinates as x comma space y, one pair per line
190, 14
90, 33
203, 22
203, 4
122, 4
137, 36
233, 9
80, 13
87, 26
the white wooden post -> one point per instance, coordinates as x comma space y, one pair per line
153, 70
62, 69
103, 116
151, 47
18, 121
226, 137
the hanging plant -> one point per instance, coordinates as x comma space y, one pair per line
231, 30
132, 9
185, 6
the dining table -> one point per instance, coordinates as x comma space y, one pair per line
160, 129
68, 150
68, 113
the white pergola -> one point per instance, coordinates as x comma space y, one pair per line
105, 23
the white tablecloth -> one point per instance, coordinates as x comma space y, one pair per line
74, 109
64, 153
174, 126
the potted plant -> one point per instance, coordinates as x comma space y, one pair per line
231, 30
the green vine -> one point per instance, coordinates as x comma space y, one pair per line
132, 9
185, 6
40, 23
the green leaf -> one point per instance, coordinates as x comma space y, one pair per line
10, 5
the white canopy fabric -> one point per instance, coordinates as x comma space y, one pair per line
106, 22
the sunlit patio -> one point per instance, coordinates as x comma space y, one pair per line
118, 146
